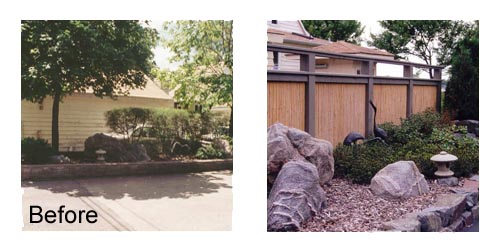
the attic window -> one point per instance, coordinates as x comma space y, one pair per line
274, 21
321, 65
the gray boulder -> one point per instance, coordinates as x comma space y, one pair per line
286, 144
295, 197
116, 150
400, 180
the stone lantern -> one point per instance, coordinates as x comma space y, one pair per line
100, 155
443, 161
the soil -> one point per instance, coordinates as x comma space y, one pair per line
353, 208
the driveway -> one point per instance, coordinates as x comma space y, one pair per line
195, 201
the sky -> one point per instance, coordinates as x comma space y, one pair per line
162, 54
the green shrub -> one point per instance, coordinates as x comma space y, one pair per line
211, 151
35, 151
417, 139
124, 121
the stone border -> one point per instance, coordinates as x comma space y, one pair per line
451, 213
65, 171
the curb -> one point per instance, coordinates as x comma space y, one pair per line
66, 171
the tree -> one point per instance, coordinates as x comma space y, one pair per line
335, 30
425, 39
462, 91
59, 58
204, 50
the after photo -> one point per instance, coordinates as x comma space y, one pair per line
373, 125
126, 125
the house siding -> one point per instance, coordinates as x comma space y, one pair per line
80, 116
288, 26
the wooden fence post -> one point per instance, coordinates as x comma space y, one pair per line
437, 76
408, 72
367, 69
308, 64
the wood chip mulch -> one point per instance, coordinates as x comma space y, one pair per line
353, 208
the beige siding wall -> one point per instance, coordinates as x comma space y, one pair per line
288, 26
80, 116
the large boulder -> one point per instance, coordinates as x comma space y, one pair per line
295, 197
400, 180
286, 144
116, 150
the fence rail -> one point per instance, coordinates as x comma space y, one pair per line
329, 106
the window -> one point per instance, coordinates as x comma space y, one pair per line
177, 105
198, 108
274, 21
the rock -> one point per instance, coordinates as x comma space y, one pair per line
475, 212
295, 197
318, 152
59, 159
453, 205
449, 181
474, 178
457, 225
400, 180
405, 224
468, 219
286, 144
471, 196
116, 150
429, 221
279, 150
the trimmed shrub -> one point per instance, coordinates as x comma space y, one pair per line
417, 139
35, 151
124, 121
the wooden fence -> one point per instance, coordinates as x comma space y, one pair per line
329, 106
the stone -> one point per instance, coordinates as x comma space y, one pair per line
470, 124
295, 197
59, 159
443, 212
429, 221
316, 151
474, 178
471, 195
405, 224
285, 144
400, 180
457, 225
454, 205
116, 150
475, 212
449, 181
468, 219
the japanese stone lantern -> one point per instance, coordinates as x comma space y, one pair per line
443, 161
100, 155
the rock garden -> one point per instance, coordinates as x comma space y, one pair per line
142, 134
377, 185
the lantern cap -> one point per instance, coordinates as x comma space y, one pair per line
444, 157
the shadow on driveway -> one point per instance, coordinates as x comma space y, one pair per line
180, 186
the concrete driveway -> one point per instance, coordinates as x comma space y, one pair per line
195, 201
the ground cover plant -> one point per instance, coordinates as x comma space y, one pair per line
417, 139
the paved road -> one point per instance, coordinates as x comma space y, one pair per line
197, 201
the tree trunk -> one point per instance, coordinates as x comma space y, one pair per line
55, 122
231, 124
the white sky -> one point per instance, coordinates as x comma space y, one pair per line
162, 54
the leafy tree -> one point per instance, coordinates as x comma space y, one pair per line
59, 58
335, 30
426, 39
205, 51
462, 91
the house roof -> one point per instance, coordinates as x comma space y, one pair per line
152, 89
342, 47
323, 45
